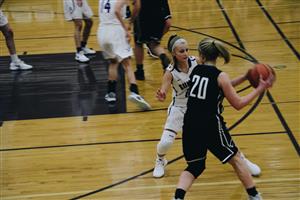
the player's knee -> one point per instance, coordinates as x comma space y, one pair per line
163, 146
165, 142
196, 168
78, 25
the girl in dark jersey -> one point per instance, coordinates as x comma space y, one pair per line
204, 128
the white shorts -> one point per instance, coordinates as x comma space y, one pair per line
74, 11
175, 118
112, 41
3, 19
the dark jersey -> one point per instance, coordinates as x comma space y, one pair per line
205, 95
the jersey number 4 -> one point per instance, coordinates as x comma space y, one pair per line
200, 83
107, 6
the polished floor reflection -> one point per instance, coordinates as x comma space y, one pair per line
58, 86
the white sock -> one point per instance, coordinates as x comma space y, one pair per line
14, 58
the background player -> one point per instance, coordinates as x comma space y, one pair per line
16, 62
113, 37
204, 128
152, 22
78, 11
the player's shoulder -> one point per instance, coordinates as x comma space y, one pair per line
170, 68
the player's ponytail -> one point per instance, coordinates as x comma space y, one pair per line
211, 49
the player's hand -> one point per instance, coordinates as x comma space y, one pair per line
160, 95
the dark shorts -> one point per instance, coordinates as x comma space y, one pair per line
149, 24
205, 135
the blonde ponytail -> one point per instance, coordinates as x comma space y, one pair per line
211, 49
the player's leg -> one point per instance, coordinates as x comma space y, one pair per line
111, 96
16, 62
252, 167
85, 36
79, 56
139, 59
245, 177
134, 92
172, 126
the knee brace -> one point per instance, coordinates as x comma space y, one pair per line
196, 167
165, 143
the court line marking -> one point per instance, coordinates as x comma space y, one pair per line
236, 182
126, 141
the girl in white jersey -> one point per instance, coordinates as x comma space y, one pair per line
177, 76
113, 37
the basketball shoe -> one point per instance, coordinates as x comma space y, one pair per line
111, 97
253, 168
159, 169
150, 53
88, 51
80, 57
256, 197
19, 65
139, 74
140, 101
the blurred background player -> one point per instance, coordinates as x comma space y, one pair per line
114, 37
78, 11
152, 22
16, 62
177, 76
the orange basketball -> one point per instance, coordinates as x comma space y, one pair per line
259, 69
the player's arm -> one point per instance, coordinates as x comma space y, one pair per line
231, 95
166, 84
238, 80
118, 12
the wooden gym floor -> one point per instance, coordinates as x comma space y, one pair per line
59, 140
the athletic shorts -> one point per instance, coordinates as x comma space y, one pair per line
174, 120
3, 19
112, 41
74, 11
149, 24
200, 135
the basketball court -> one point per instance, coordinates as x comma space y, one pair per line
60, 140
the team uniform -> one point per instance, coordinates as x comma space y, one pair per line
180, 86
204, 128
150, 22
77, 9
111, 35
3, 19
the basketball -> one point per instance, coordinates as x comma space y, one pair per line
259, 69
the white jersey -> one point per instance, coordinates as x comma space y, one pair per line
107, 12
180, 82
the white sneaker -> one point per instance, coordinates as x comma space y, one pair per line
256, 197
88, 51
253, 168
111, 97
176, 199
80, 57
159, 169
150, 53
137, 99
19, 65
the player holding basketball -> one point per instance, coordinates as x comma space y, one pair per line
16, 62
177, 76
78, 11
113, 37
203, 126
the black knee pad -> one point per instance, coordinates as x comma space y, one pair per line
196, 168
